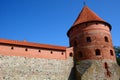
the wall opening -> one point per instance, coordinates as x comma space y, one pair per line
12, 48
71, 55
97, 52
106, 39
39, 50
88, 39
51, 52
62, 53
26, 49
111, 53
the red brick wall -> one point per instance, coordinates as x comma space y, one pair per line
86, 50
32, 52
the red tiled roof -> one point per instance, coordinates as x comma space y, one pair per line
87, 15
31, 44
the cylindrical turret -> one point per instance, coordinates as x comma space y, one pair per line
91, 38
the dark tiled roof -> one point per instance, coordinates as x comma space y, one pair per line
31, 44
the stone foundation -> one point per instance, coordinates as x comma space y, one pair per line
98, 70
22, 68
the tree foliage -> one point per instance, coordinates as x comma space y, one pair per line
117, 51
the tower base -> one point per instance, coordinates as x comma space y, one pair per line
98, 70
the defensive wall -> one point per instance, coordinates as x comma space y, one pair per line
20, 61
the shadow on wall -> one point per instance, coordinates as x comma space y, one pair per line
72, 75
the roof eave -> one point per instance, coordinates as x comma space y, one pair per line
110, 27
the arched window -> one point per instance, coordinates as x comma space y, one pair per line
71, 55
88, 39
97, 52
106, 39
111, 53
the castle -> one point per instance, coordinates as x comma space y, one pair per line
90, 56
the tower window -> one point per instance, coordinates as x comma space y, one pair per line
106, 39
88, 39
97, 52
80, 54
111, 53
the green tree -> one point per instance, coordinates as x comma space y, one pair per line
117, 51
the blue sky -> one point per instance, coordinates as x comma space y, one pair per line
47, 21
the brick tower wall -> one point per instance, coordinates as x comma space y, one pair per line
22, 63
92, 41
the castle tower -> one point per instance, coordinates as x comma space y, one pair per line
94, 55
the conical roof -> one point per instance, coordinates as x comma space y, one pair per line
87, 15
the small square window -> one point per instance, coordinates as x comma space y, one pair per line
62, 53
26, 49
97, 52
88, 39
12, 47
39, 50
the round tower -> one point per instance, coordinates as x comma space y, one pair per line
94, 55
90, 36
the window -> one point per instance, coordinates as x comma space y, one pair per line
111, 53
51, 52
106, 39
39, 50
88, 39
80, 54
97, 52
26, 49
62, 53
71, 55
12, 47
